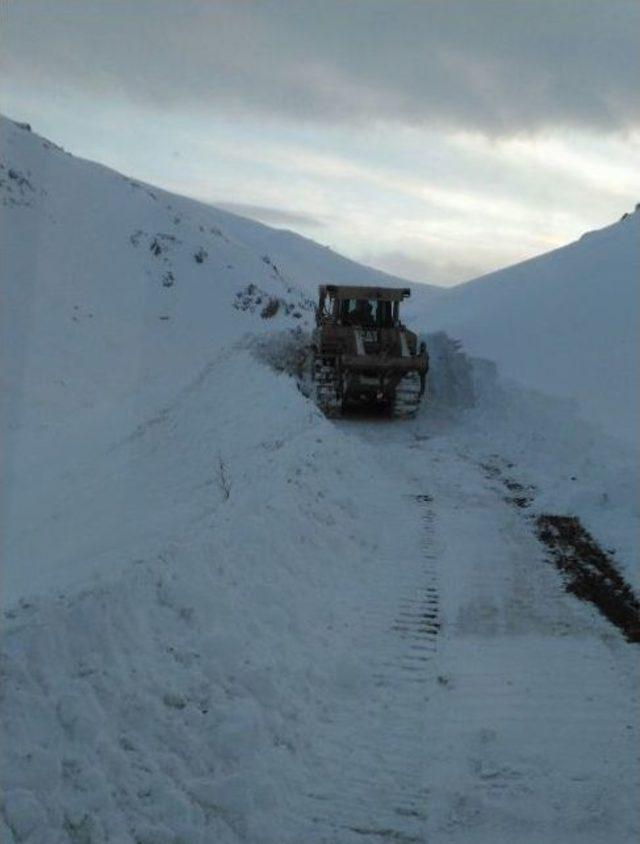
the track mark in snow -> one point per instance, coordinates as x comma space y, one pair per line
373, 763
589, 572
387, 834
520, 495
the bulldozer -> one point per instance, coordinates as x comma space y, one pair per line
362, 355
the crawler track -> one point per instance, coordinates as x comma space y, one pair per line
407, 398
326, 389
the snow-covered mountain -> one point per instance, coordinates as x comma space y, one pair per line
566, 323
227, 618
117, 287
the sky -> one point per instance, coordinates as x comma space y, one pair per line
434, 139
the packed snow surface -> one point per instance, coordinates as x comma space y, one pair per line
227, 618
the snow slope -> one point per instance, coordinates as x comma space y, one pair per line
230, 619
565, 323
137, 282
115, 295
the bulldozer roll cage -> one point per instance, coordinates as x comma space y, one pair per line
363, 354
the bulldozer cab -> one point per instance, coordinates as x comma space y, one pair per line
367, 313
365, 307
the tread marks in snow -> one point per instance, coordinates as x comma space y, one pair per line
417, 620
520, 495
383, 767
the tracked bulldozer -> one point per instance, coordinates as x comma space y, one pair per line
362, 355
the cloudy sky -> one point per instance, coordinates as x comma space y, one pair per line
437, 139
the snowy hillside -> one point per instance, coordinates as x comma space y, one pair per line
566, 323
118, 289
228, 619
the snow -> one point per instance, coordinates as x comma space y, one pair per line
227, 618
566, 323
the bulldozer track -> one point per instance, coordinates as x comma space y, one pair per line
326, 389
406, 403
407, 397
375, 781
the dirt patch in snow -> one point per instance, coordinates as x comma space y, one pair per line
589, 572
520, 495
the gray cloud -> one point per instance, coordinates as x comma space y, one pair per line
270, 214
436, 270
498, 66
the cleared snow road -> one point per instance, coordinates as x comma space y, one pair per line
502, 709
363, 641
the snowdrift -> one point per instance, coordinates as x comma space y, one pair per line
565, 323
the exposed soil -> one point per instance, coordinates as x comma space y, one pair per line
589, 572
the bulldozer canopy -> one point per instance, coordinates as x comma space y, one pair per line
389, 294
367, 312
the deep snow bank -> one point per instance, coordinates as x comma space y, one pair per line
115, 296
182, 625
566, 323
